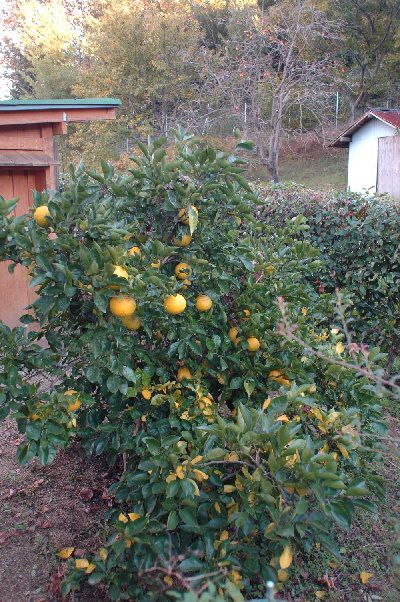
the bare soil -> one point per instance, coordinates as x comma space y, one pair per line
42, 510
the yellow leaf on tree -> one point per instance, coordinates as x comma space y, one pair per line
266, 403
343, 450
217, 507
65, 553
179, 472
282, 418
320, 594
81, 563
365, 577
196, 460
224, 536
122, 518
134, 515
199, 475
229, 488
270, 528
285, 559
90, 568
103, 554
168, 580
282, 575
171, 477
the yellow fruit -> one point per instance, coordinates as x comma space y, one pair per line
183, 214
146, 394
247, 313
183, 241
132, 322
253, 344
203, 303
182, 271
183, 372
122, 306
135, 251
174, 304
233, 335
74, 406
40, 214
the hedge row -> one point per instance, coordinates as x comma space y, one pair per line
359, 239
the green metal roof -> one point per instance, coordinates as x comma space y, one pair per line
57, 103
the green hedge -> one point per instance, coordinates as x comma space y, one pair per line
359, 239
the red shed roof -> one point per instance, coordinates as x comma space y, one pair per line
389, 116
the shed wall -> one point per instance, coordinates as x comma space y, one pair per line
363, 155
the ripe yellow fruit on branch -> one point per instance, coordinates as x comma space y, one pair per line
135, 251
253, 344
183, 372
203, 303
122, 306
175, 304
182, 270
40, 214
132, 322
184, 241
233, 335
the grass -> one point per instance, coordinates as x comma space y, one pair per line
321, 170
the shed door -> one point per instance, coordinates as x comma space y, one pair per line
15, 293
389, 166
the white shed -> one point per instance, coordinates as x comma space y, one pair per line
374, 152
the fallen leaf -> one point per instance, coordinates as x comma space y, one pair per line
285, 559
86, 494
320, 594
365, 577
65, 553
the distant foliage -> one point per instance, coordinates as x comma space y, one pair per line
359, 240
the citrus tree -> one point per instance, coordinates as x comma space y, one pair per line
155, 338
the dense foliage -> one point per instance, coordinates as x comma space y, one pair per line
235, 448
358, 238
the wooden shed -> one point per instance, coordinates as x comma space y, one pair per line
374, 152
28, 161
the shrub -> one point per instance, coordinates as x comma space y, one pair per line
358, 238
235, 449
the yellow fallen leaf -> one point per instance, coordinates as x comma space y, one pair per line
134, 515
81, 563
65, 553
285, 559
90, 568
339, 348
320, 594
365, 577
122, 518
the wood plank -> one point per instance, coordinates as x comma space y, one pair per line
388, 180
55, 116
19, 142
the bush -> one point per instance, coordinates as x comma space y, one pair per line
235, 448
358, 238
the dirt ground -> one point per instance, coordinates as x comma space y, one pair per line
44, 509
